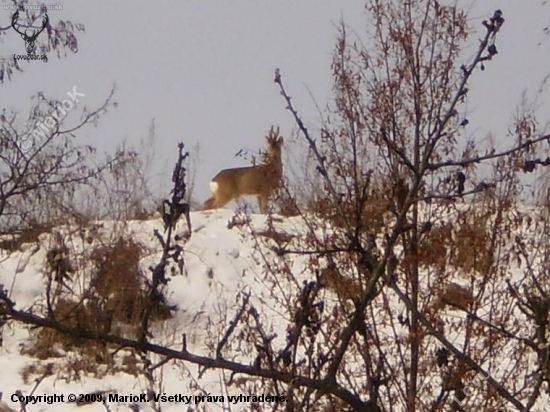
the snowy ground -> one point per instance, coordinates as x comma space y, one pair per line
223, 261
220, 264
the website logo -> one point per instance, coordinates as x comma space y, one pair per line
29, 38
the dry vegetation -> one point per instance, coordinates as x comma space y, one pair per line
112, 302
423, 271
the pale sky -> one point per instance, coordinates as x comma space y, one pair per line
204, 70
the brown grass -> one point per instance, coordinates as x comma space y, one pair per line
117, 279
113, 303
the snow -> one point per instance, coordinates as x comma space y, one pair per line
228, 255
221, 264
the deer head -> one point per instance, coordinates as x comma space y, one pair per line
274, 145
29, 39
261, 180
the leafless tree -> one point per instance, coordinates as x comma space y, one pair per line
418, 228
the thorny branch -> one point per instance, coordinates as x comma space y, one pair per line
169, 251
492, 28
233, 324
313, 146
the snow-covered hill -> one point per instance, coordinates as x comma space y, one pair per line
228, 257
222, 264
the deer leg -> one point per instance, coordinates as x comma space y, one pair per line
217, 201
209, 203
262, 202
221, 200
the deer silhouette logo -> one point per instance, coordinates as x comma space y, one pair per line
29, 39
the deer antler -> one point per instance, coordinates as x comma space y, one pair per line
13, 23
273, 134
35, 33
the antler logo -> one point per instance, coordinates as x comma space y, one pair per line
29, 39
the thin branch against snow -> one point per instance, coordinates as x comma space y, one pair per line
7, 309
457, 352
232, 325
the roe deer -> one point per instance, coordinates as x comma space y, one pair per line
261, 180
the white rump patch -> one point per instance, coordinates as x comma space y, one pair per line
213, 186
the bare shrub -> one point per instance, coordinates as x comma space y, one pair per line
52, 344
124, 190
117, 279
112, 303
118, 285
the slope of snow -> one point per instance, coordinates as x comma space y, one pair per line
221, 265
227, 256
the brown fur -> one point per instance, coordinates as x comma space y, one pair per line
261, 180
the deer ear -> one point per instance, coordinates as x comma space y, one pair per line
280, 141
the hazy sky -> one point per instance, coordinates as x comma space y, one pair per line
204, 69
